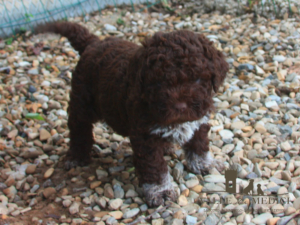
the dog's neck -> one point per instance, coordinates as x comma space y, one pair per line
179, 133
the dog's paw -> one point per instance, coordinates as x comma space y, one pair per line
155, 199
71, 162
202, 164
157, 194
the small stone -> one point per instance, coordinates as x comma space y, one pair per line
131, 213
290, 210
259, 70
3, 210
281, 75
48, 173
237, 125
262, 218
157, 222
108, 192
260, 128
46, 83
101, 174
282, 190
116, 214
12, 134
214, 179
279, 58
44, 135
30, 169
33, 71
277, 209
48, 192
66, 203
197, 188
296, 203
74, 208
245, 66
230, 199
286, 175
116, 203
177, 171
285, 146
212, 219
31, 89
182, 201
95, 184
272, 221
227, 148
239, 210
109, 27
116, 137
226, 134
271, 165
271, 104
118, 192
192, 183
190, 220
10, 192
131, 194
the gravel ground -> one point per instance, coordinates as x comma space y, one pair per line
256, 130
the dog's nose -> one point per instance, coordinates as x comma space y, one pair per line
181, 106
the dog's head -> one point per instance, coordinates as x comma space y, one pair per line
176, 74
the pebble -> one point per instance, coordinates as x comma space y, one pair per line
285, 146
296, 203
109, 27
48, 173
279, 58
74, 208
190, 220
116, 214
95, 184
226, 134
182, 200
262, 218
131, 213
115, 203
192, 183
31, 169
48, 192
44, 135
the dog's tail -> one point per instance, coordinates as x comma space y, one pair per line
78, 35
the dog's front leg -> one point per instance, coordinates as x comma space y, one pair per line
199, 159
151, 168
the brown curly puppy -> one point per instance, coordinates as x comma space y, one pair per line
158, 94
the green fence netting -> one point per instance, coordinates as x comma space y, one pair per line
25, 14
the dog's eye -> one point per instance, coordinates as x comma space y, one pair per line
198, 81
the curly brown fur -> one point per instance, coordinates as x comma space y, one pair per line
167, 83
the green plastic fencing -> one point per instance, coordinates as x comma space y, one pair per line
16, 15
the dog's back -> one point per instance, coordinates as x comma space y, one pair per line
102, 69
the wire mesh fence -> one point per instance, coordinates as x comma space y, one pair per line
24, 14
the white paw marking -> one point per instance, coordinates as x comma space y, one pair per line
198, 164
180, 133
154, 189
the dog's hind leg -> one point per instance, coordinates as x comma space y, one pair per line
151, 168
80, 123
199, 159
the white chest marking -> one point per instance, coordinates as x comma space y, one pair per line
181, 133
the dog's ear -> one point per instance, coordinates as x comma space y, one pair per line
214, 61
220, 68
